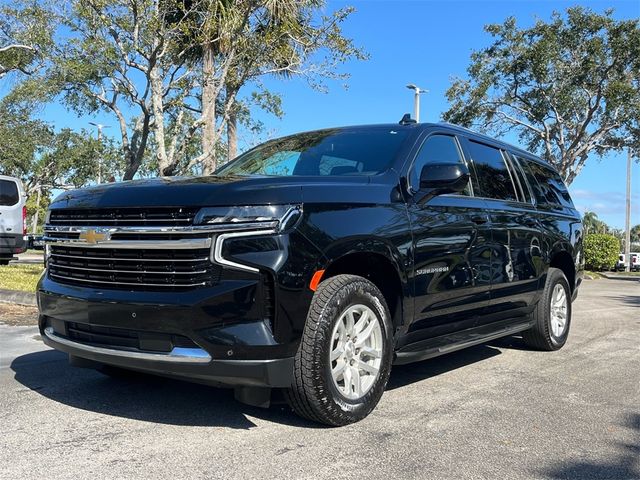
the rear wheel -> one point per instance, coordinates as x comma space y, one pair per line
552, 314
344, 359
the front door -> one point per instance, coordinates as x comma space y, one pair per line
452, 261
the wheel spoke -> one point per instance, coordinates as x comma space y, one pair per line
349, 322
348, 373
364, 335
355, 380
338, 370
362, 321
370, 352
337, 352
367, 367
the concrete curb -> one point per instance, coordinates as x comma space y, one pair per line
17, 297
613, 276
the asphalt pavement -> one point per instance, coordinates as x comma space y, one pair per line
491, 411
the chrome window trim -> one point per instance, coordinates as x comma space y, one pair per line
177, 355
216, 252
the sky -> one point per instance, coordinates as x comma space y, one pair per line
426, 42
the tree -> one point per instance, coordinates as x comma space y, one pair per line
170, 71
569, 88
236, 42
592, 224
23, 39
44, 159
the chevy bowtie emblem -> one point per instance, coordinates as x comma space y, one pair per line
94, 236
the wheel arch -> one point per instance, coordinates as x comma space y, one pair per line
563, 260
379, 269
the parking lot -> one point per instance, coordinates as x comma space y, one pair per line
494, 411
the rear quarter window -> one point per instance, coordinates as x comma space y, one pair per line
547, 184
9, 194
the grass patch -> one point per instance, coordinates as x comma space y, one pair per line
20, 277
592, 275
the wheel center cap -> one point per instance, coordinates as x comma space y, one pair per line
349, 349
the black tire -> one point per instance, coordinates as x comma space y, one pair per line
4, 262
540, 336
313, 394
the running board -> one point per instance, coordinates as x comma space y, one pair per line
415, 353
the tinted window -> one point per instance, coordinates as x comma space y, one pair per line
325, 152
8, 193
493, 178
435, 149
520, 180
550, 187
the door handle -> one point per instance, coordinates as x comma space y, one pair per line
479, 219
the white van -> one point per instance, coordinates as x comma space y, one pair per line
13, 218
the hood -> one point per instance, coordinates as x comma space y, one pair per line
217, 191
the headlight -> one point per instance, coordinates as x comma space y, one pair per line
242, 222
275, 217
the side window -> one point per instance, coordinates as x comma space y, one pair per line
519, 178
8, 193
551, 188
435, 149
493, 177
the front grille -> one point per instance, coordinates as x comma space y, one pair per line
133, 269
125, 338
154, 217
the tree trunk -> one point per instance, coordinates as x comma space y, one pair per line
232, 135
208, 110
157, 90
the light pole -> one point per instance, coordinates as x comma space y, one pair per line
627, 233
416, 100
99, 126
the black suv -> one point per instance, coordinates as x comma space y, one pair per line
314, 262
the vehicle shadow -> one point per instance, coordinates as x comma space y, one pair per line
169, 401
142, 397
403, 375
633, 300
626, 465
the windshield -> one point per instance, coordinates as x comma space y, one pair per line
325, 152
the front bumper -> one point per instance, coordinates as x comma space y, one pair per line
195, 364
215, 335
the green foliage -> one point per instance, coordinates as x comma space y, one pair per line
592, 224
143, 62
25, 37
567, 87
600, 251
46, 160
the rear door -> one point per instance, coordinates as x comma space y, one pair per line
11, 202
450, 249
516, 263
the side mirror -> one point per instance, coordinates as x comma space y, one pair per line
444, 178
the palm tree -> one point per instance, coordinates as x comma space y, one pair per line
592, 224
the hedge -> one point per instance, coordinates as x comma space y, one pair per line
601, 251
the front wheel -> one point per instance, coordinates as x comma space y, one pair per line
552, 315
344, 359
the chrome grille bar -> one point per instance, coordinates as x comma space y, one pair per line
124, 259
